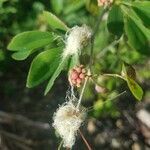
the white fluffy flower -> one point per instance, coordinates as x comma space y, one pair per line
67, 120
77, 38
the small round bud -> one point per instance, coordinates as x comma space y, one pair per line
78, 85
77, 75
100, 89
79, 80
83, 70
74, 75
78, 69
82, 76
104, 2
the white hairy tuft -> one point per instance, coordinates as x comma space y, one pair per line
77, 38
67, 121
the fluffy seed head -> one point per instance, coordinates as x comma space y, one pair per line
77, 38
67, 120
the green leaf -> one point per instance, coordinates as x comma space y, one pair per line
55, 75
135, 88
21, 55
43, 66
128, 70
73, 7
115, 21
92, 7
57, 6
142, 8
138, 35
30, 40
54, 22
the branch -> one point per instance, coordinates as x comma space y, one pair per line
114, 75
94, 33
16, 138
9, 118
82, 92
103, 51
85, 141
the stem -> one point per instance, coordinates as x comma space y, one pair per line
85, 141
81, 95
103, 51
114, 75
94, 34
91, 52
60, 145
117, 96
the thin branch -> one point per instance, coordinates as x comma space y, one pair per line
114, 75
22, 146
9, 118
119, 95
85, 141
100, 17
103, 51
82, 92
60, 145
16, 138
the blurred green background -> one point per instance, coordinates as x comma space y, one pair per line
26, 115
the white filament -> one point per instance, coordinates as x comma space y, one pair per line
67, 121
77, 38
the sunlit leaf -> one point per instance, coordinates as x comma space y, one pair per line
30, 40
43, 66
142, 8
57, 6
128, 70
21, 55
135, 88
55, 75
54, 22
138, 35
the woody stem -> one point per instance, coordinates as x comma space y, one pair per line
85, 141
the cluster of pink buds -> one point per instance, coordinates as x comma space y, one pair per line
77, 75
104, 2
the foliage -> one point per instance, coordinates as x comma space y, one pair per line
135, 30
123, 36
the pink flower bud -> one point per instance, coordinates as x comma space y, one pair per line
82, 76
77, 75
74, 75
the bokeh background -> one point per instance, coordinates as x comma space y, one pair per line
26, 115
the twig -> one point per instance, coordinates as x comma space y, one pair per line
114, 75
94, 34
11, 118
85, 141
22, 146
119, 95
82, 92
60, 145
103, 51
16, 138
